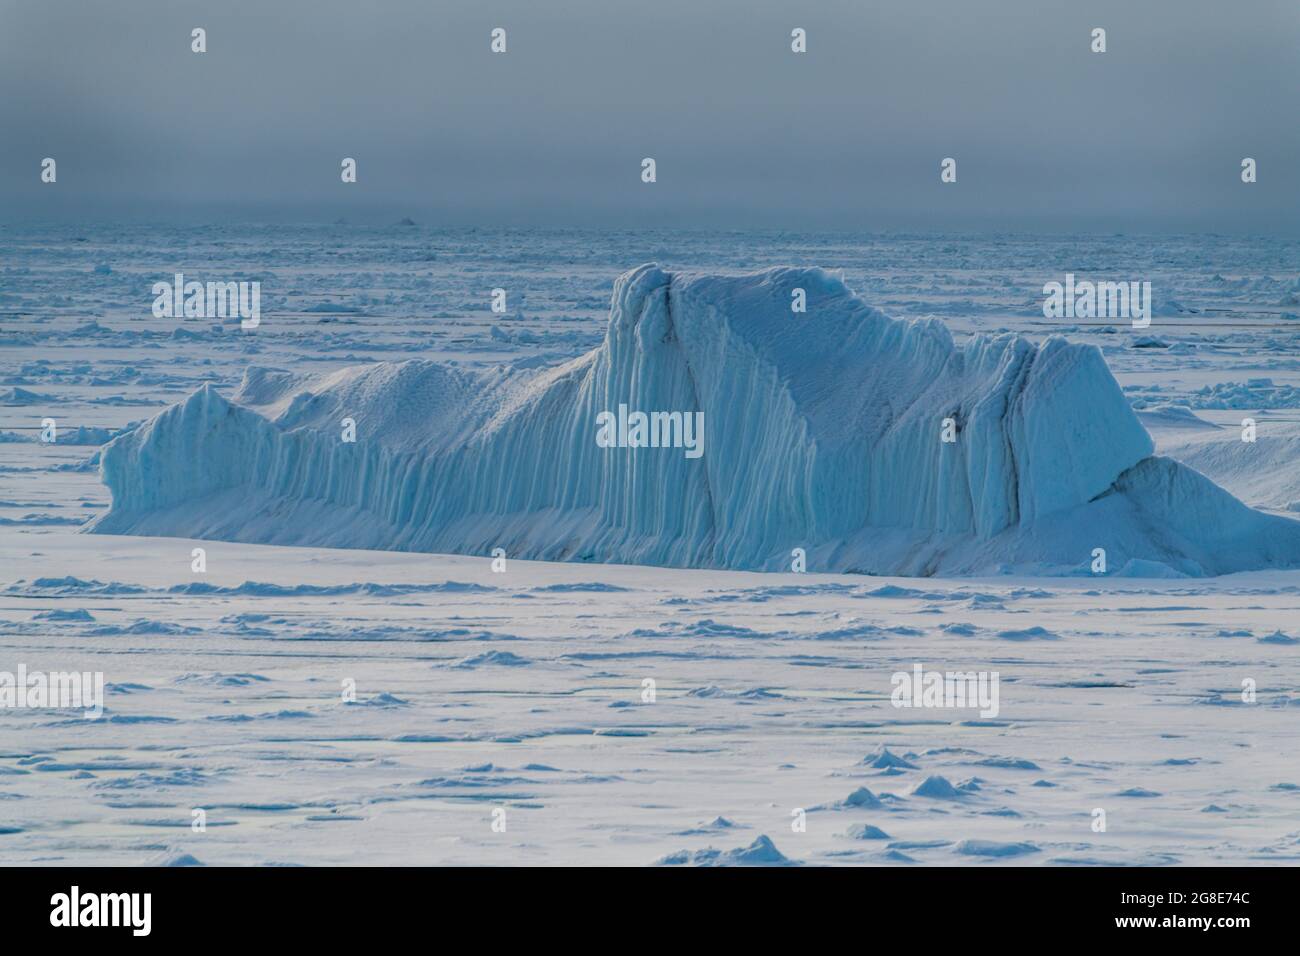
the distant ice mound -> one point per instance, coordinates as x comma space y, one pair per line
823, 430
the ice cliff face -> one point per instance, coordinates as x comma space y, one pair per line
823, 430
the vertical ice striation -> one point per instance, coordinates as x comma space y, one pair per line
822, 430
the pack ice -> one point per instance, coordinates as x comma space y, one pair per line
823, 431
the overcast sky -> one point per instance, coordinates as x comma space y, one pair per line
1047, 135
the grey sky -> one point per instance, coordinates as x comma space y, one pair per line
1047, 135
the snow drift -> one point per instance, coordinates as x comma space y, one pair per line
823, 431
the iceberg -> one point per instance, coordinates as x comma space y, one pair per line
873, 444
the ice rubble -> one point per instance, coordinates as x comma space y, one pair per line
823, 433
